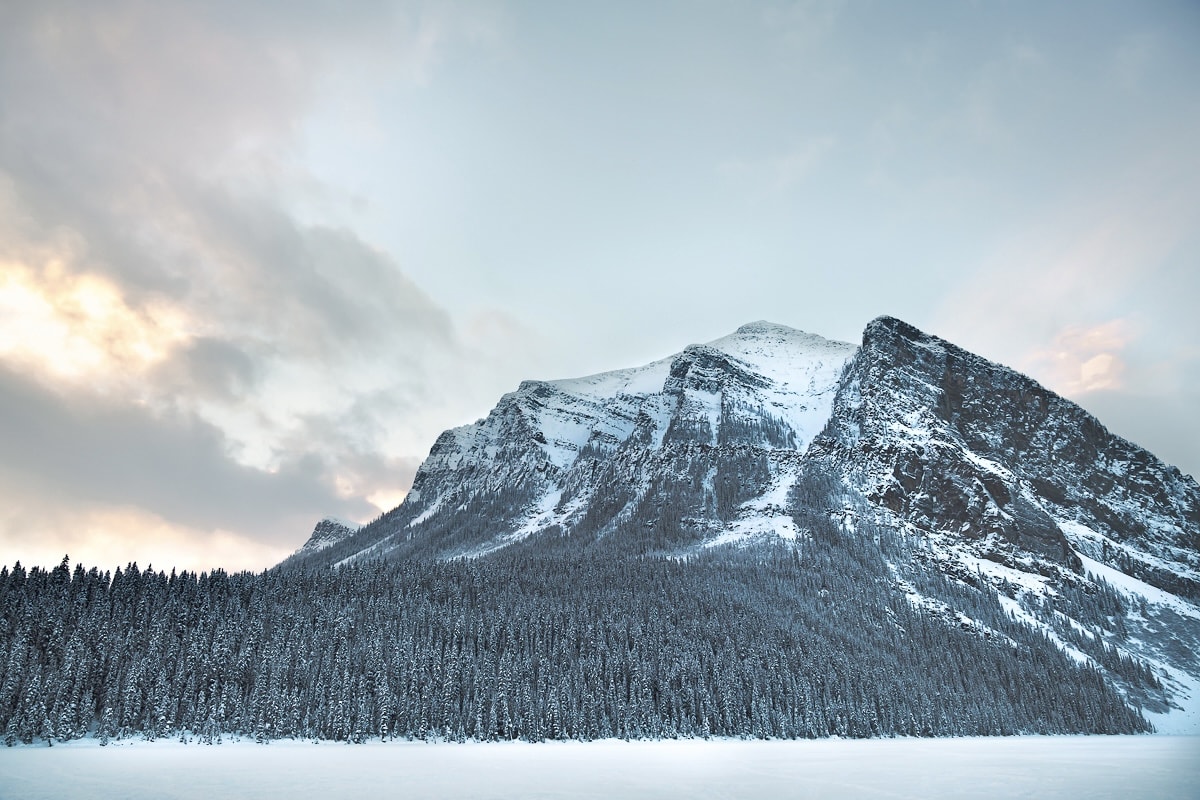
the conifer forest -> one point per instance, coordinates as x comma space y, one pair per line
536, 643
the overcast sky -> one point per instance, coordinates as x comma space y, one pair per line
255, 256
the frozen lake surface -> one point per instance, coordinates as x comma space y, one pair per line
1025, 767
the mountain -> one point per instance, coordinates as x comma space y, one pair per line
986, 498
771, 535
622, 449
326, 533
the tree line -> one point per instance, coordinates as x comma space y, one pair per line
535, 643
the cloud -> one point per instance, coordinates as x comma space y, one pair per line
78, 326
185, 348
92, 451
208, 368
1083, 359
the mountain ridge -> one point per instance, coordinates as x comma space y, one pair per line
673, 399
998, 488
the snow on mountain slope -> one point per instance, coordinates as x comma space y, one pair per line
537, 460
804, 370
796, 372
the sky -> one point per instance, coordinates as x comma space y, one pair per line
256, 255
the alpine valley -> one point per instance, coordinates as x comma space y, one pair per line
770, 535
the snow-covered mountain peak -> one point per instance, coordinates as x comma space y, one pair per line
774, 348
764, 349
762, 368
535, 462
767, 334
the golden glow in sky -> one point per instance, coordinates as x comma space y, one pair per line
109, 537
79, 327
1084, 360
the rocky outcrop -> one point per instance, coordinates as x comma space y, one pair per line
327, 533
950, 442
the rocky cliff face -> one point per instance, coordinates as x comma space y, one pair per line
327, 533
953, 444
997, 486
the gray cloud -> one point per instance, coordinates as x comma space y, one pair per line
155, 144
86, 452
209, 368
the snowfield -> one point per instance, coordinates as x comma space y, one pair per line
1042, 767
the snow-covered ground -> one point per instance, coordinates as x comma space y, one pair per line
1042, 767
